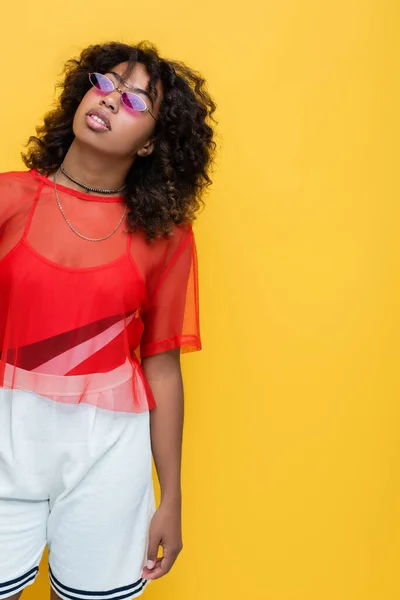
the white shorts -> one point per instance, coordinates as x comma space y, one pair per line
79, 479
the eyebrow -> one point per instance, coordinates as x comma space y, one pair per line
132, 89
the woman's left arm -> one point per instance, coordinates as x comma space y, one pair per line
163, 372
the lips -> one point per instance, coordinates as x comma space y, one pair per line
101, 114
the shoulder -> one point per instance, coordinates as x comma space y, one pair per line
16, 184
170, 248
179, 237
154, 258
163, 248
16, 178
17, 189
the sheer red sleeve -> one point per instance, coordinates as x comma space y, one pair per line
172, 319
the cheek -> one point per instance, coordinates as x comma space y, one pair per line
88, 101
85, 104
131, 130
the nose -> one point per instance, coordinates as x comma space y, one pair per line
111, 101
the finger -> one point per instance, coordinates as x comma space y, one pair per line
168, 560
146, 571
154, 573
152, 551
157, 564
162, 565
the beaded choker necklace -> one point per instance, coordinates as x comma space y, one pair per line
88, 188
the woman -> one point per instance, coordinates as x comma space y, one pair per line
98, 297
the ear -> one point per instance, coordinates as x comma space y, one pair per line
147, 149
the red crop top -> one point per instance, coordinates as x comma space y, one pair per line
76, 316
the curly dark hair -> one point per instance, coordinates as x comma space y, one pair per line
165, 188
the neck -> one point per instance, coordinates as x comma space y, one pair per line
93, 168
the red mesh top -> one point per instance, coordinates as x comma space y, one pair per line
76, 316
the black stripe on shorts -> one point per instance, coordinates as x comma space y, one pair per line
17, 585
121, 593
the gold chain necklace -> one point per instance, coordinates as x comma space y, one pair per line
84, 237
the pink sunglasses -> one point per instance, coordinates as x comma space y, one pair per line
132, 101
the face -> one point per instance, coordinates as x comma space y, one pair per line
128, 133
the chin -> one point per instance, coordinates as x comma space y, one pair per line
83, 134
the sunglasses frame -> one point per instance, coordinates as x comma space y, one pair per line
122, 93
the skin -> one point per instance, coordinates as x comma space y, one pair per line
163, 372
102, 160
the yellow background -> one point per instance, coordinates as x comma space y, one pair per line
291, 451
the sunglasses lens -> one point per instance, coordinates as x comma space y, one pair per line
133, 101
101, 82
